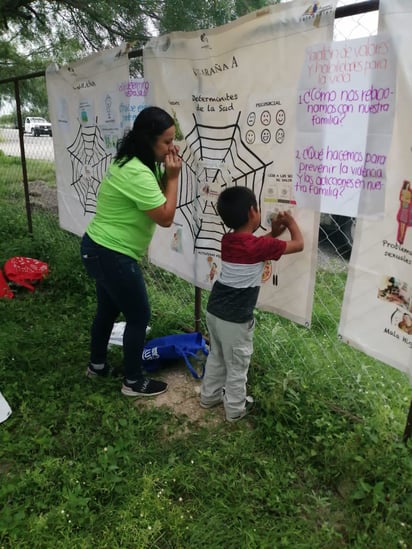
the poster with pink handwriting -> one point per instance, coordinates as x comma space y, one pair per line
345, 112
376, 315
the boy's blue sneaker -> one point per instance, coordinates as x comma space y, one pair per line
250, 403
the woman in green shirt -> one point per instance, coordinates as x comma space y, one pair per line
133, 197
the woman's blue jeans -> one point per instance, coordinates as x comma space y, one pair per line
120, 288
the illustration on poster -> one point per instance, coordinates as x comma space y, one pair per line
395, 291
176, 243
203, 179
402, 327
406, 324
90, 159
212, 269
404, 216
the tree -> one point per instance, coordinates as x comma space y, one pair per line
64, 30
94, 25
34, 33
188, 15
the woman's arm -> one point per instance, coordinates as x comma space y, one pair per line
164, 214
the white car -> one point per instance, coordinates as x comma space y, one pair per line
36, 126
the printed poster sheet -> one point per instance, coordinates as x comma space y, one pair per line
346, 105
377, 308
232, 92
91, 104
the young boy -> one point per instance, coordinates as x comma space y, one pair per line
229, 313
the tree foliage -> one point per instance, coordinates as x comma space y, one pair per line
94, 24
188, 15
34, 33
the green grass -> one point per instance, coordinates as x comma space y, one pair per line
319, 465
12, 175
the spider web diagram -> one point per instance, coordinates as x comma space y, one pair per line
215, 157
89, 160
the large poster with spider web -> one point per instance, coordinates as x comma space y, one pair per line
232, 92
91, 103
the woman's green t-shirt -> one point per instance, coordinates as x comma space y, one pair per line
120, 222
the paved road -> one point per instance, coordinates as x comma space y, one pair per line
40, 148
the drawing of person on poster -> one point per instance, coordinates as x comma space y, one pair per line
404, 216
394, 291
405, 325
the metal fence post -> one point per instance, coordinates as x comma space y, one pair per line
23, 156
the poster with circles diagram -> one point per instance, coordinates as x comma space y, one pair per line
233, 98
216, 157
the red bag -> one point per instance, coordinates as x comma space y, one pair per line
4, 287
25, 271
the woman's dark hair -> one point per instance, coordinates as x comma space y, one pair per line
138, 142
233, 205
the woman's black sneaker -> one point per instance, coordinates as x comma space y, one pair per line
144, 387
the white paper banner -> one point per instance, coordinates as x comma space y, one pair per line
377, 308
232, 91
89, 106
346, 105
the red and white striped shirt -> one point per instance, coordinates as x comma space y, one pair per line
234, 294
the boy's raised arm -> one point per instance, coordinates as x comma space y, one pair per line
280, 223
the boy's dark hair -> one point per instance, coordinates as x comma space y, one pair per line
233, 206
138, 142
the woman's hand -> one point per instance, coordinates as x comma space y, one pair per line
163, 215
173, 163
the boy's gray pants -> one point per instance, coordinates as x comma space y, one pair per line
231, 347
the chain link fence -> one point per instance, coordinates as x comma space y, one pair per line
291, 350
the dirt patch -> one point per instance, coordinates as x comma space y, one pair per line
182, 397
43, 197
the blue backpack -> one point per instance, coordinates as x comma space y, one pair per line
191, 347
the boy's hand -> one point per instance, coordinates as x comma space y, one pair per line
296, 243
278, 225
